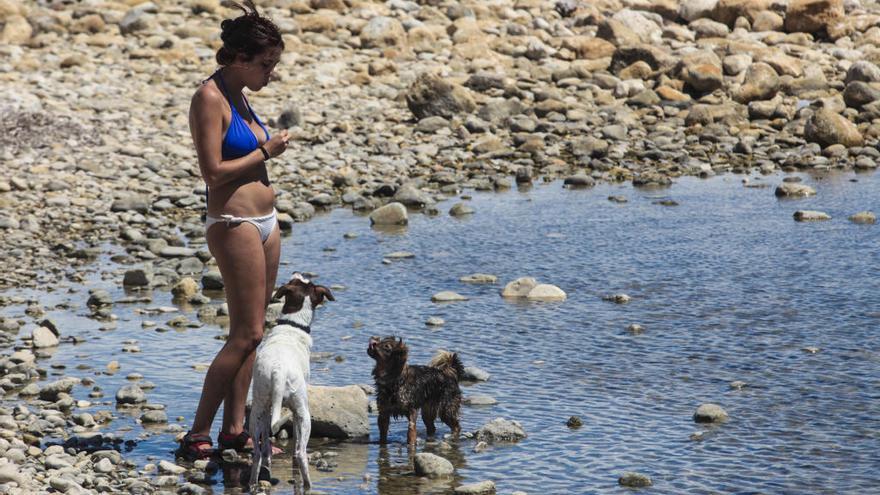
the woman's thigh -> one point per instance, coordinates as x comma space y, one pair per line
242, 262
272, 253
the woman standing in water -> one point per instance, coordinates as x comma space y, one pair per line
241, 226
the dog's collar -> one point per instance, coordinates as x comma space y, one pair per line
304, 328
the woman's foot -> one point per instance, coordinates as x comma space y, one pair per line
241, 442
194, 447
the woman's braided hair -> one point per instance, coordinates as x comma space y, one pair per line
247, 35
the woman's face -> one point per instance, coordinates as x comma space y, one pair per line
256, 72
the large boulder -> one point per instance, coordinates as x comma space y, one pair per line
339, 412
827, 127
430, 95
812, 16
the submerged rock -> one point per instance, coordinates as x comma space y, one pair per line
432, 466
710, 413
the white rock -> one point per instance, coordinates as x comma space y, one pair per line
546, 292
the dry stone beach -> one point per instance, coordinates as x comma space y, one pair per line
409, 113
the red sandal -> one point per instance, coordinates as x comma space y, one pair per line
239, 443
192, 447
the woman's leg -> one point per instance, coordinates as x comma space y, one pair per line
236, 397
241, 259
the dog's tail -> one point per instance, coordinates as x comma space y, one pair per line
449, 363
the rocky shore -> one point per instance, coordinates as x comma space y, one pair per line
413, 101
398, 101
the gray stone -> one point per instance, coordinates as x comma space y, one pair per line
827, 128
51, 391
480, 488
432, 466
339, 412
448, 296
519, 287
212, 281
130, 394
461, 209
579, 180
546, 292
810, 216
138, 277
474, 374
154, 417
634, 480
43, 337
710, 413
500, 430
791, 189
430, 95
390, 214
478, 278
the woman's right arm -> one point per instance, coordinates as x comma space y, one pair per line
206, 126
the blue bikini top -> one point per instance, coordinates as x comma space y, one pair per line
240, 139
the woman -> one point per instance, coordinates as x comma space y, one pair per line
241, 225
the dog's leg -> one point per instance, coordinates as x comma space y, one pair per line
411, 432
256, 422
428, 415
384, 420
451, 420
302, 430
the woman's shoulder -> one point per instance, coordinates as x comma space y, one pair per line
208, 94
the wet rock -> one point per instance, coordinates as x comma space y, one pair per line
448, 296
474, 374
617, 298
461, 209
546, 292
339, 412
519, 287
500, 430
478, 278
430, 95
138, 277
762, 83
185, 288
480, 488
432, 466
130, 394
635, 329
574, 422
434, 321
51, 391
634, 480
409, 195
99, 297
863, 217
579, 180
790, 189
154, 417
810, 216
212, 280
710, 413
43, 337
390, 214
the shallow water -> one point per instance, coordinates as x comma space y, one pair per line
726, 284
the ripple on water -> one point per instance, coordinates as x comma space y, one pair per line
726, 285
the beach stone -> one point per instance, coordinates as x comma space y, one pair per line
138, 277
500, 430
212, 280
434, 321
634, 480
382, 32
99, 297
430, 95
185, 288
154, 417
519, 287
811, 16
170, 467
17, 31
130, 394
339, 412
448, 296
432, 466
478, 278
43, 337
177, 252
579, 180
793, 189
486, 487
691, 10
461, 209
862, 70
390, 214
863, 217
51, 391
617, 298
710, 413
104, 466
762, 83
480, 400
827, 127
133, 202
574, 422
767, 21
703, 78
474, 374
546, 292
728, 11
810, 216
858, 93
10, 473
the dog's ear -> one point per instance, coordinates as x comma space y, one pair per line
319, 293
281, 292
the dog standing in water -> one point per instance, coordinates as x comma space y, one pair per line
281, 375
403, 389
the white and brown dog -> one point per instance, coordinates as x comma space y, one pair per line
281, 374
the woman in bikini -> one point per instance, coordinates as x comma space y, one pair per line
241, 226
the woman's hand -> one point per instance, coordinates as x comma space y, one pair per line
277, 144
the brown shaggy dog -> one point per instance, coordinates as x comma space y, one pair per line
403, 389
